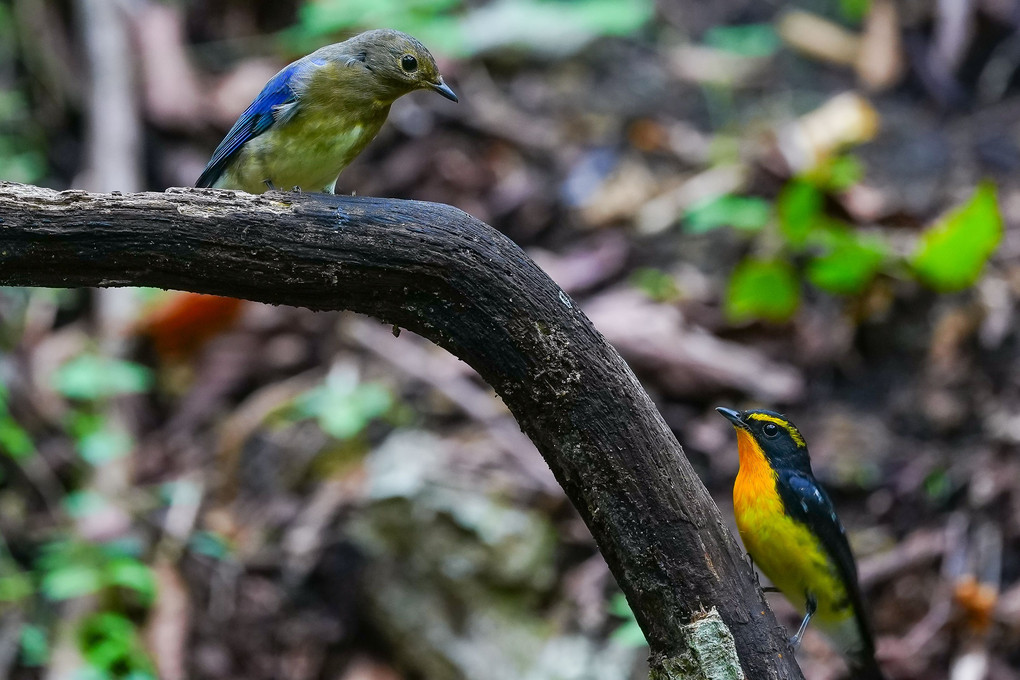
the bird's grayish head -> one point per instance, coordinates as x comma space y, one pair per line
398, 62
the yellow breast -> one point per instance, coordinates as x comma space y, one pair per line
784, 549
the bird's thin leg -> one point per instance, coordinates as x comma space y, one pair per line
269, 184
812, 605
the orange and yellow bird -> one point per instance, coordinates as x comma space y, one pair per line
791, 531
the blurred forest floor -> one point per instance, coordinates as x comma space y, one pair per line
807, 206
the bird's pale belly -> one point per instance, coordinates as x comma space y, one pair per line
297, 154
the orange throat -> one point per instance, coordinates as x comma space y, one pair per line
755, 486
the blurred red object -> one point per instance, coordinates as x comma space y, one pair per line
181, 323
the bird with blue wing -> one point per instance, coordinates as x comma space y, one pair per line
318, 113
792, 533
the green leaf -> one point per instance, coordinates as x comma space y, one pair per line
71, 580
618, 606
209, 544
35, 648
937, 485
15, 587
746, 40
953, 251
131, 574
14, 440
838, 173
800, 210
26, 167
90, 377
342, 407
550, 28
854, 10
629, 634
762, 289
540, 26
110, 641
742, 212
82, 504
329, 16
656, 284
849, 266
129, 545
104, 445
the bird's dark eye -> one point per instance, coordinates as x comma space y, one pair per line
409, 63
770, 430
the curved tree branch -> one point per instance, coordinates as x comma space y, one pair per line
443, 274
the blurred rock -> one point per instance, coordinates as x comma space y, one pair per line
456, 575
418, 511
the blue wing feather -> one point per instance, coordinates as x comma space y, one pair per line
255, 120
807, 502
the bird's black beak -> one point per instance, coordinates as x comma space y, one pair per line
444, 89
732, 416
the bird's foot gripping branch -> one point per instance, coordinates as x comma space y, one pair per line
441, 273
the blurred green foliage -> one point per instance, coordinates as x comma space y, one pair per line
953, 251
342, 406
746, 40
740, 212
22, 157
762, 289
91, 377
803, 242
456, 28
628, 633
91, 380
854, 10
937, 486
799, 209
847, 261
35, 646
656, 284
209, 544
111, 644
69, 566
14, 440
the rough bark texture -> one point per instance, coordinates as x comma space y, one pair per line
441, 273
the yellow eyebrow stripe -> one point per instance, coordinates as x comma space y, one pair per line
790, 429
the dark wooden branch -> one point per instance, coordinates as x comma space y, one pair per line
441, 273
